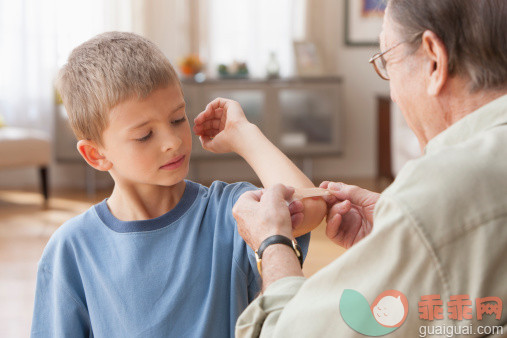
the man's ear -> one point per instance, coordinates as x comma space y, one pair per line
90, 152
438, 70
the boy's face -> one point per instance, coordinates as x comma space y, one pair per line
149, 141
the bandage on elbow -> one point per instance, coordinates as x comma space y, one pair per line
302, 193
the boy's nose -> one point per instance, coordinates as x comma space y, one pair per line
171, 141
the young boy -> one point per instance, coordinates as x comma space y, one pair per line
161, 256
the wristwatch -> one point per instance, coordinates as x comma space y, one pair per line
277, 239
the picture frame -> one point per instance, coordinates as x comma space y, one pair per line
363, 22
308, 59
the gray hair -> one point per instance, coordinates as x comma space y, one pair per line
106, 70
473, 31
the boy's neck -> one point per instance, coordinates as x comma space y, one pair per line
134, 203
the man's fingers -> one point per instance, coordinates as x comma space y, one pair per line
277, 192
248, 201
254, 195
324, 185
333, 226
295, 207
340, 208
330, 200
296, 219
356, 195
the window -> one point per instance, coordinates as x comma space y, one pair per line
248, 30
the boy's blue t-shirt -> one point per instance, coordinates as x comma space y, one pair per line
187, 273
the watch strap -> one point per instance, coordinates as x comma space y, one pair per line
277, 239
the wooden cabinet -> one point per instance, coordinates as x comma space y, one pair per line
300, 116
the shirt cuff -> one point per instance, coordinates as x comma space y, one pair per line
272, 301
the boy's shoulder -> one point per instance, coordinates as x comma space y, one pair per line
70, 233
80, 223
223, 191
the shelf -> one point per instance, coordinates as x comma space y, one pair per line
301, 116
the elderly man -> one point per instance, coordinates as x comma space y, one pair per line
428, 256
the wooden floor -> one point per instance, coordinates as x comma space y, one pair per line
26, 226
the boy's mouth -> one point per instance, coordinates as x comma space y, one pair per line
174, 163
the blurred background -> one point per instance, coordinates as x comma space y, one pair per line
298, 67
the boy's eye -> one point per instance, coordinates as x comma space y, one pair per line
183, 119
145, 138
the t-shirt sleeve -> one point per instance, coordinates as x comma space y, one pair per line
57, 313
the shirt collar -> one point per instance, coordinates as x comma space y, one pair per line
488, 116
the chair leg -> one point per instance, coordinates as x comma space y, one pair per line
43, 171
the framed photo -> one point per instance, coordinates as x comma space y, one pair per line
308, 60
363, 21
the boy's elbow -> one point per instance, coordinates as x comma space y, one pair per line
314, 212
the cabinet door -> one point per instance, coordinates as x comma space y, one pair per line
309, 119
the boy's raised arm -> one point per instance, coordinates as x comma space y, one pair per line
223, 128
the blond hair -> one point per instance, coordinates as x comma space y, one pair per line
105, 71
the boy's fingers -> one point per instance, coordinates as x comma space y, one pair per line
205, 141
210, 132
211, 124
202, 116
217, 103
213, 109
218, 113
208, 122
196, 129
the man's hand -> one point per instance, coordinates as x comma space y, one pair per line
264, 213
350, 213
220, 124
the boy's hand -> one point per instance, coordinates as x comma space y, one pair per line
219, 125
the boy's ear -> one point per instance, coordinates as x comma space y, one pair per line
90, 152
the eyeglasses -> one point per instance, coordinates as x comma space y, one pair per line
379, 63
